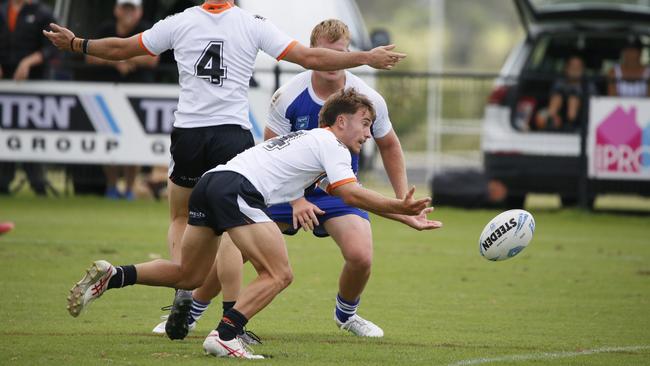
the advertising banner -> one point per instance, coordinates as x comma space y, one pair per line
74, 122
618, 141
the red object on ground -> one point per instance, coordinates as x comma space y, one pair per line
6, 227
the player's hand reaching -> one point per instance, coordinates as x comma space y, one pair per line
60, 36
305, 214
411, 206
383, 57
421, 222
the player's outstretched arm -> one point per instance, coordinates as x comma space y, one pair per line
409, 211
324, 59
112, 48
418, 222
355, 195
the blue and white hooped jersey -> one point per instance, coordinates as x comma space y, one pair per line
295, 106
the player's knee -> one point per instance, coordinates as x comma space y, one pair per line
360, 259
283, 279
286, 278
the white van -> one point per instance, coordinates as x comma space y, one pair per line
527, 159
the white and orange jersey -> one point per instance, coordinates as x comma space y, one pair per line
215, 46
283, 167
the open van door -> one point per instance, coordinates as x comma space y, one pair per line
536, 15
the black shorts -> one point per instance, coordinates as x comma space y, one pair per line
197, 150
224, 199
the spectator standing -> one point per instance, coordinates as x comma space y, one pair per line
128, 22
24, 52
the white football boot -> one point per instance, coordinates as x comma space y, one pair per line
249, 338
360, 326
90, 287
160, 328
235, 348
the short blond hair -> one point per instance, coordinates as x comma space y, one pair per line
332, 30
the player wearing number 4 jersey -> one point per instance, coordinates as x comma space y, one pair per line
215, 46
233, 198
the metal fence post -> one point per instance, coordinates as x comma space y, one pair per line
583, 182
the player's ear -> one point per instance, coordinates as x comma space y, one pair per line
341, 120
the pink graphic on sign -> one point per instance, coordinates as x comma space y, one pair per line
618, 138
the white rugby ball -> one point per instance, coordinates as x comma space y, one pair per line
506, 235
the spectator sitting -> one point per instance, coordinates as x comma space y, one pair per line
564, 110
630, 77
128, 22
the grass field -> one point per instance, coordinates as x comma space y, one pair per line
579, 295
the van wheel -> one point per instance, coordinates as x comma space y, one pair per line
569, 201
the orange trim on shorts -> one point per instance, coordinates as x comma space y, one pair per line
287, 50
145, 47
216, 8
332, 186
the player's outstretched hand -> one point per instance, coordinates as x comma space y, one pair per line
421, 222
412, 206
383, 57
305, 214
60, 36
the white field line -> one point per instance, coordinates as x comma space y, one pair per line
547, 355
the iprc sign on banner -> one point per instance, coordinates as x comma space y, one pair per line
619, 139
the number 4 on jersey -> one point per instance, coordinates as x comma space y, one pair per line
210, 64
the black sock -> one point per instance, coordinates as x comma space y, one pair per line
227, 305
231, 324
125, 276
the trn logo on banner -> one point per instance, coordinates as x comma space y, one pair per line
619, 138
96, 123
75, 122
